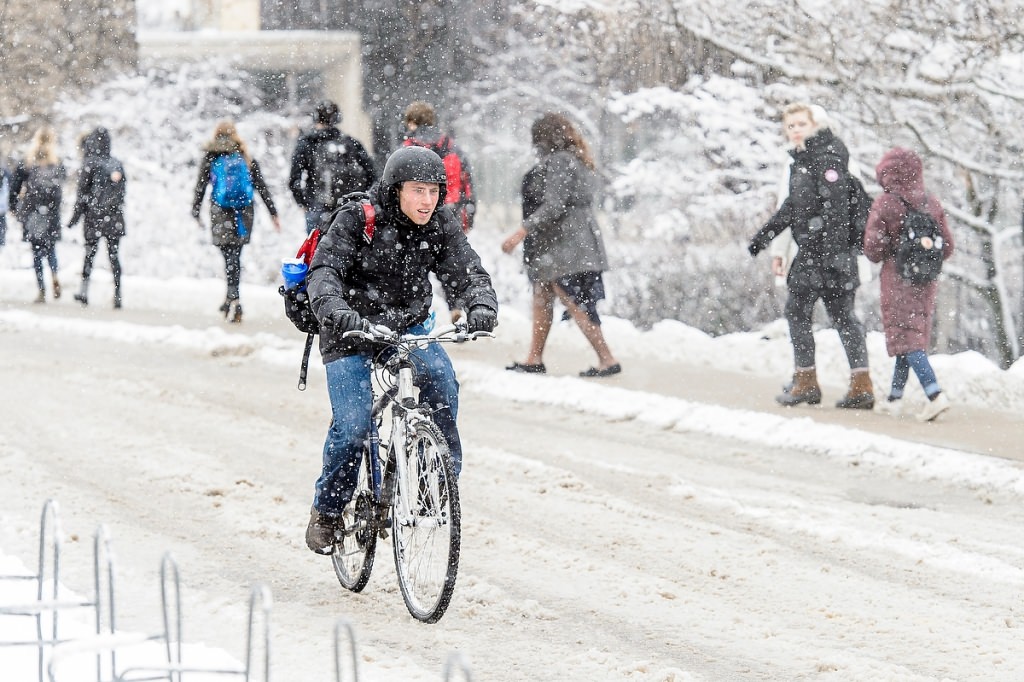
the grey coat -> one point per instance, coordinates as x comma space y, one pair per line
563, 237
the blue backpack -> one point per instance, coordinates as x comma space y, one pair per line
231, 180
232, 186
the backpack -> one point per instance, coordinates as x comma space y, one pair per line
106, 195
336, 173
297, 306
919, 251
44, 184
231, 180
459, 188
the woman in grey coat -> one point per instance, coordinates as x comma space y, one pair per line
562, 245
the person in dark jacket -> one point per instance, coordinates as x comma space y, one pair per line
907, 308
36, 194
563, 248
421, 129
327, 164
824, 212
231, 227
383, 278
100, 202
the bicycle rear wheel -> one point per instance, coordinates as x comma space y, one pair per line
354, 551
426, 524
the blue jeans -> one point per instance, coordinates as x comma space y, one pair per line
348, 385
918, 361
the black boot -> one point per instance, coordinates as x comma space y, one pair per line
83, 294
236, 316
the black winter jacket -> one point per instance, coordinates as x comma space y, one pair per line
385, 278
104, 216
302, 179
27, 200
826, 209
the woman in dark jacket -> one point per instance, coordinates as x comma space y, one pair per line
823, 212
231, 227
907, 308
36, 193
563, 249
100, 202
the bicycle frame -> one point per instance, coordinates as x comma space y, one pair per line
400, 397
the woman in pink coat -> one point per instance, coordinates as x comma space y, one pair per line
907, 309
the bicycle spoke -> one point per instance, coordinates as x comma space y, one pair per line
427, 534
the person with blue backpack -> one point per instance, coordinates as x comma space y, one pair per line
234, 177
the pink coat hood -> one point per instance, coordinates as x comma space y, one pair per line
901, 172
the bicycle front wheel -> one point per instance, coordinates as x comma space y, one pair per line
426, 524
354, 551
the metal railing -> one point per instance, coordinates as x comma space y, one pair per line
50, 602
174, 668
345, 642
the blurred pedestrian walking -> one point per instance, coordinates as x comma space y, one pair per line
824, 211
234, 177
563, 249
36, 193
907, 307
100, 204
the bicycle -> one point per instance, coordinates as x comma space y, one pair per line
407, 483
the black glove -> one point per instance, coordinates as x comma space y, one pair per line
346, 321
481, 319
754, 248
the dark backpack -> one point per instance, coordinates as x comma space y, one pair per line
336, 172
297, 306
919, 251
231, 180
44, 184
106, 194
459, 188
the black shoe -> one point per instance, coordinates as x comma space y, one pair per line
82, 298
323, 531
539, 368
606, 372
225, 308
236, 316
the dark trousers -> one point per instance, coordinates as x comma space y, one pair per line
839, 305
232, 268
41, 252
91, 247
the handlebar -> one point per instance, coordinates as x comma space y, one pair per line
451, 333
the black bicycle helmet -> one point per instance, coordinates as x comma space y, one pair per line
414, 163
327, 113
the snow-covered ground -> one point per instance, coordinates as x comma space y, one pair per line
615, 529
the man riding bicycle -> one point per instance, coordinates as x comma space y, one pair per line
376, 271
